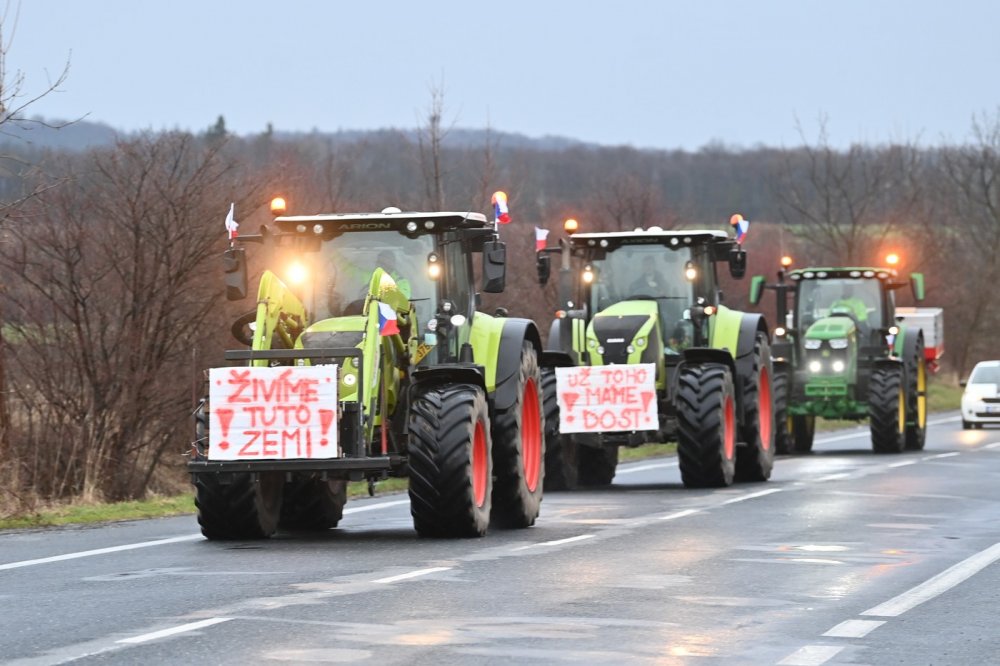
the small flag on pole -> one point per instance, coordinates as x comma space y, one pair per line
541, 235
387, 324
740, 226
500, 212
231, 224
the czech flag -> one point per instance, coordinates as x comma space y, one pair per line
740, 226
500, 212
541, 235
387, 324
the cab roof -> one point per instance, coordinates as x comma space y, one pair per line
383, 221
674, 238
870, 272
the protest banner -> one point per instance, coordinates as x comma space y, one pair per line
273, 413
612, 398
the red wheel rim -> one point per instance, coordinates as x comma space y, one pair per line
729, 428
764, 416
531, 436
480, 464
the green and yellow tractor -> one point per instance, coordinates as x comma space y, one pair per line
366, 358
645, 306
843, 352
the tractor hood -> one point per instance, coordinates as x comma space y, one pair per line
617, 327
829, 328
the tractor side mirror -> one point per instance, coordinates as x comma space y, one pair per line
494, 266
737, 263
756, 288
917, 284
543, 263
234, 263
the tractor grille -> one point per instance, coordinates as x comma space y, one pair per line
621, 330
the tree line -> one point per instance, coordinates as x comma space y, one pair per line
111, 300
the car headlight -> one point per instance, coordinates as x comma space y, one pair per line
815, 366
812, 344
838, 343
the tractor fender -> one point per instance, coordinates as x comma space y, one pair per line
466, 373
708, 355
554, 332
508, 362
906, 342
750, 326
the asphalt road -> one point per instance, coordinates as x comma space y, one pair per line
844, 557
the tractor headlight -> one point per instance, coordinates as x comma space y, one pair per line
815, 366
838, 343
600, 349
297, 272
779, 332
640, 342
838, 366
629, 349
349, 379
812, 344
591, 343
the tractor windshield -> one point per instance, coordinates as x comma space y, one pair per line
857, 298
652, 272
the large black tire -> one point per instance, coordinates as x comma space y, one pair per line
916, 394
235, 506
803, 433
597, 464
887, 409
450, 460
240, 505
755, 460
782, 422
312, 503
706, 419
561, 471
519, 449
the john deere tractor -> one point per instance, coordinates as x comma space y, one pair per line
426, 387
650, 298
841, 352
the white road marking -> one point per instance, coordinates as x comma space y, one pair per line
191, 626
558, 542
679, 514
744, 498
162, 542
937, 585
904, 463
949, 419
375, 507
994, 445
834, 477
411, 574
942, 455
854, 628
100, 551
839, 438
643, 468
811, 655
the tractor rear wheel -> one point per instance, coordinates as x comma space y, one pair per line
597, 464
706, 419
450, 461
238, 506
312, 503
803, 432
916, 394
560, 450
782, 426
519, 449
887, 409
755, 461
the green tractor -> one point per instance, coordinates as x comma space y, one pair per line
843, 352
650, 299
382, 308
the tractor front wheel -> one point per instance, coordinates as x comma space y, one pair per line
916, 395
887, 409
561, 471
755, 461
238, 506
450, 461
519, 449
783, 444
803, 432
706, 419
312, 503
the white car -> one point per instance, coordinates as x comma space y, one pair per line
981, 400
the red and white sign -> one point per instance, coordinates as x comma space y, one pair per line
611, 398
272, 413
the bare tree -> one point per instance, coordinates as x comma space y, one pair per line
430, 137
847, 203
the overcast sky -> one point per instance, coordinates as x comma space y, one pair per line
652, 73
